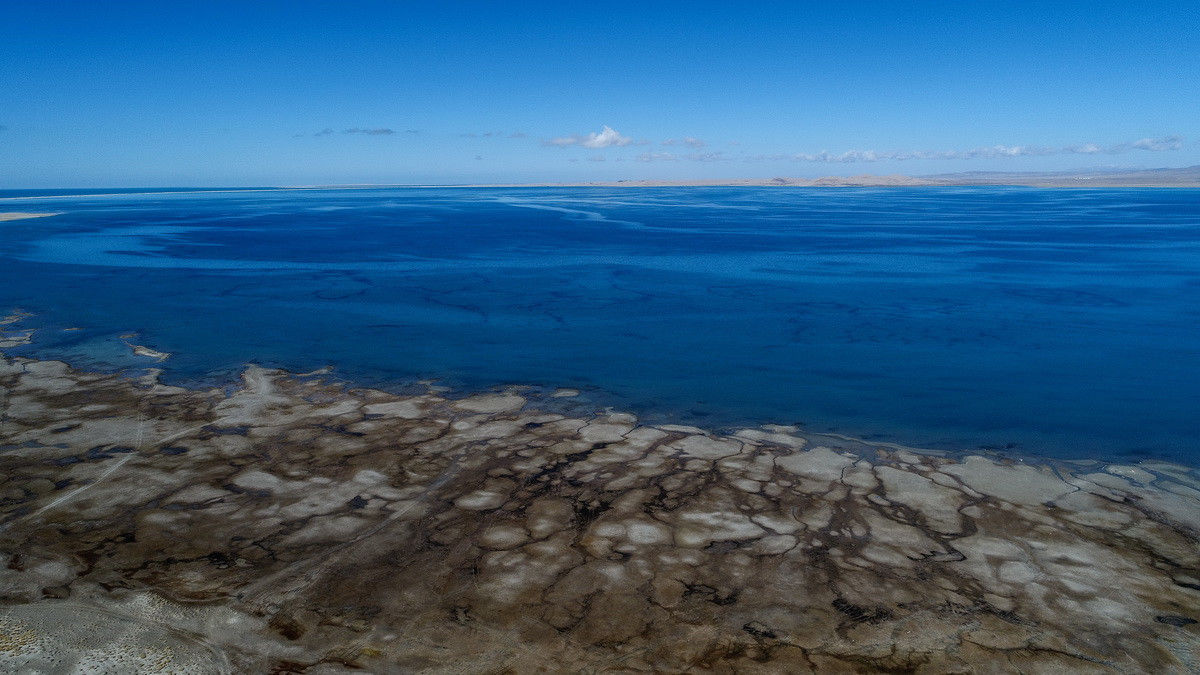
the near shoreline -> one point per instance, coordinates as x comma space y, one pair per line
300, 523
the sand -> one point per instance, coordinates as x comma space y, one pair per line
22, 215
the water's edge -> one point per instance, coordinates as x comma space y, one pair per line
141, 361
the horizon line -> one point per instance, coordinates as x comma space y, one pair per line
960, 179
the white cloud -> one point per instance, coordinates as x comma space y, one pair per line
657, 157
686, 140
691, 157
381, 131
1158, 144
608, 137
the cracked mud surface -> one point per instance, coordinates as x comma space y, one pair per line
298, 526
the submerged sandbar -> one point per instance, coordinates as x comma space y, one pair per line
293, 524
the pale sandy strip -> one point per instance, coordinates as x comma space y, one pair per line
21, 215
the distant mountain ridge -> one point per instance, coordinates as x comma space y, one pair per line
1167, 177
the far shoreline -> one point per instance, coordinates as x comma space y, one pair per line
1185, 177
639, 184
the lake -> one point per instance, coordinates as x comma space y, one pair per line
1055, 322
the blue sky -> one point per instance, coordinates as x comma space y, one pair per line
210, 93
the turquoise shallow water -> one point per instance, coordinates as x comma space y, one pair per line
1056, 322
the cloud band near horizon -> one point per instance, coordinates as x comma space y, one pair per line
1160, 144
606, 138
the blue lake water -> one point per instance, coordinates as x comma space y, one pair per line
1057, 322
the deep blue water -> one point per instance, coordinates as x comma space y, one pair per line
1063, 322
